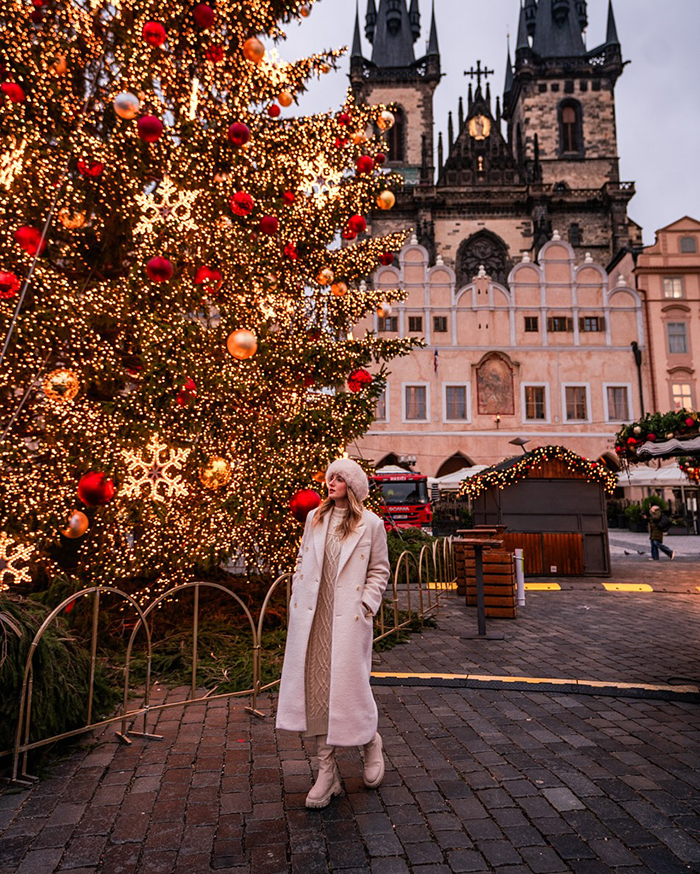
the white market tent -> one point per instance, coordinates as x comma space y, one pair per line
670, 476
451, 482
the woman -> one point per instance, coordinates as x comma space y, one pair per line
342, 571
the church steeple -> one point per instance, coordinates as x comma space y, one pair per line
508, 87
393, 36
433, 48
611, 38
522, 41
414, 18
370, 20
356, 42
558, 30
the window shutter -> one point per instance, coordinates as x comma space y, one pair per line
569, 324
550, 323
581, 323
601, 323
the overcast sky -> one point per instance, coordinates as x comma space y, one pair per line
658, 95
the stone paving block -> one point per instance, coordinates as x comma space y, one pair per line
84, 852
40, 861
389, 866
563, 799
346, 854
309, 863
543, 860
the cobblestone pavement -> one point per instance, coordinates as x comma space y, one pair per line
514, 782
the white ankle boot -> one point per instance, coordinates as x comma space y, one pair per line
328, 778
374, 762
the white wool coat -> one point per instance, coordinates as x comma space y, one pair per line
363, 573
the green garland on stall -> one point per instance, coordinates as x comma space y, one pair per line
655, 428
690, 467
594, 471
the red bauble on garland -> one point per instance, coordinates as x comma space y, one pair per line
29, 239
357, 224
14, 92
159, 269
348, 234
209, 277
358, 379
239, 133
203, 15
288, 198
344, 119
9, 285
215, 54
386, 259
154, 33
95, 489
90, 169
303, 502
241, 203
273, 110
364, 164
380, 159
290, 251
187, 393
149, 128
269, 224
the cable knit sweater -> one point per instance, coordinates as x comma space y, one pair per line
318, 655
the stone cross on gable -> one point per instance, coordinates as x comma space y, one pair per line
479, 73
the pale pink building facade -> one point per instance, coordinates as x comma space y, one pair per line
668, 277
547, 358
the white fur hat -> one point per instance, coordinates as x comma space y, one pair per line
353, 475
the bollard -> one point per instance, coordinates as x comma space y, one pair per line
520, 576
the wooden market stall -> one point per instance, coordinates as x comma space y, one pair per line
553, 504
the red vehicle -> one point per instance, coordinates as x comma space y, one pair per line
406, 501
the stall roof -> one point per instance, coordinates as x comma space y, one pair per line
452, 481
670, 475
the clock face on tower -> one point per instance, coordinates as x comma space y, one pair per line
479, 127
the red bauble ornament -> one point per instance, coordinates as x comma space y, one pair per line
380, 159
358, 379
215, 54
344, 119
357, 223
203, 16
348, 234
187, 393
303, 502
29, 239
340, 142
13, 91
269, 224
209, 276
689, 422
95, 489
159, 269
631, 441
288, 198
91, 169
364, 164
290, 251
651, 438
273, 110
241, 203
154, 33
149, 128
386, 259
239, 133
9, 285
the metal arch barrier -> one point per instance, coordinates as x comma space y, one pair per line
434, 571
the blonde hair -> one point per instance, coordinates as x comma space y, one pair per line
352, 517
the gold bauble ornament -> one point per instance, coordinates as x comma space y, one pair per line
386, 200
339, 289
127, 105
61, 385
359, 138
221, 176
78, 524
305, 10
59, 65
384, 310
270, 281
242, 344
253, 50
285, 98
385, 120
71, 219
325, 276
216, 473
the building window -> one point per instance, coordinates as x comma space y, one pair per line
388, 324
575, 235
532, 324
571, 139
456, 402
618, 403
689, 245
576, 407
396, 137
677, 338
415, 324
380, 410
440, 324
673, 286
682, 396
559, 324
535, 402
593, 324
416, 403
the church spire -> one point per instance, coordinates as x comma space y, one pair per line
356, 42
611, 38
508, 87
558, 30
393, 38
522, 42
433, 48
414, 18
370, 20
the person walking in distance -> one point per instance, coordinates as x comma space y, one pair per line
341, 573
658, 524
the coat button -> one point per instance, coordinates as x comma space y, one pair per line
362, 556
357, 588
295, 604
357, 619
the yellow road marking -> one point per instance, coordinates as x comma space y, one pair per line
627, 587
542, 587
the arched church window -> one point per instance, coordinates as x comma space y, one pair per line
396, 137
571, 133
487, 249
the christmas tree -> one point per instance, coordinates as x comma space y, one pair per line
181, 265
